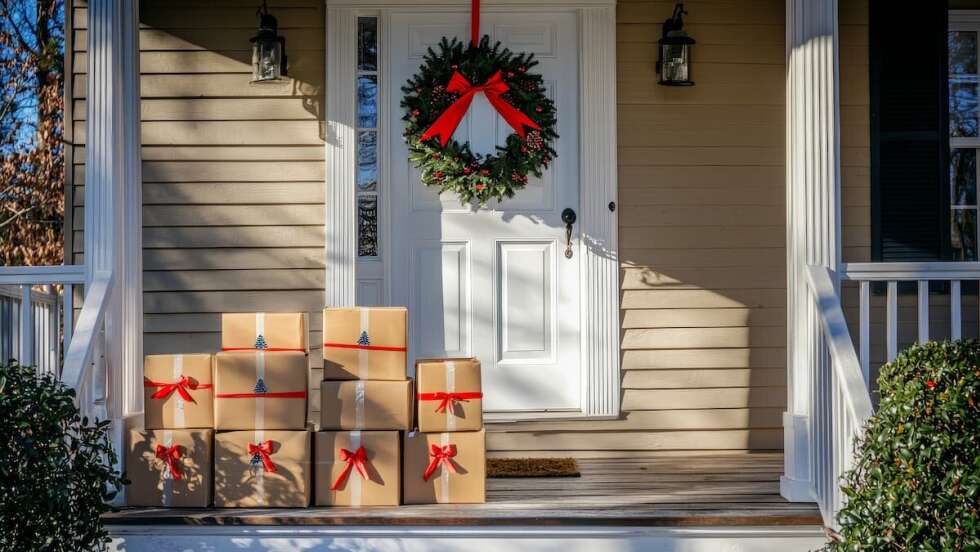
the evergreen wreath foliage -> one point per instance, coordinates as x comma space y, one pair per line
915, 484
474, 177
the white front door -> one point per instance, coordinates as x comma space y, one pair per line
495, 282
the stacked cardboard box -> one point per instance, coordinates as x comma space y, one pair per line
262, 448
445, 460
169, 462
365, 400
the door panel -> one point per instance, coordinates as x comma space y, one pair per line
492, 282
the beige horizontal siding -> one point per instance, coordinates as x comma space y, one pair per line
233, 211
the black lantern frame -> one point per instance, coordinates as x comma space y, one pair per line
269, 61
675, 46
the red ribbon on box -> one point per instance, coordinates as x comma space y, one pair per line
180, 386
445, 399
493, 89
265, 350
357, 459
273, 395
263, 450
362, 347
170, 455
440, 455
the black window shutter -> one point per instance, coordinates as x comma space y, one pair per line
909, 130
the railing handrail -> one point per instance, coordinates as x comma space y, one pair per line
38, 275
77, 365
846, 365
910, 271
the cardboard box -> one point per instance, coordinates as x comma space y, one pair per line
256, 469
260, 390
178, 391
367, 343
357, 468
445, 468
450, 397
371, 405
169, 467
265, 331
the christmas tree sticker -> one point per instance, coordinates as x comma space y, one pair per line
256, 459
260, 386
364, 339
260, 342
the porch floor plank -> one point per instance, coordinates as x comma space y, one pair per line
737, 490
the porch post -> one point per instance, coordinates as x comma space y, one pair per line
813, 215
113, 199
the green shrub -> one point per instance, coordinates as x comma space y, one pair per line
915, 484
56, 472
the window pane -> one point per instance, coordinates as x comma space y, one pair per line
962, 53
963, 109
367, 161
964, 238
367, 43
367, 95
367, 226
963, 176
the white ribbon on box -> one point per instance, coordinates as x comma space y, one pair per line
168, 476
443, 472
450, 388
364, 355
259, 402
258, 469
354, 479
359, 404
178, 372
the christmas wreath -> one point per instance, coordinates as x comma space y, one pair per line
437, 98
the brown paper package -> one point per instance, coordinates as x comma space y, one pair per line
152, 484
280, 331
466, 486
240, 372
383, 467
462, 415
346, 356
241, 481
386, 405
172, 411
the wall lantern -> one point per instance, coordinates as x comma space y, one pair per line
268, 49
674, 65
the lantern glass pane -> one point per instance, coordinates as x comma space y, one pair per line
675, 64
266, 60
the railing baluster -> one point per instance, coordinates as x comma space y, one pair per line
865, 331
955, 310
26, 327
68, 317
891, 325
923, 311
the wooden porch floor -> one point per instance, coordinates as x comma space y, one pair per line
737, 490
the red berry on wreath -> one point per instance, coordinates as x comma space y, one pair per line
455, 67
484, 172
438, 174
467, 170
416, 113
510, 74
522, 68
479, 187
538, 109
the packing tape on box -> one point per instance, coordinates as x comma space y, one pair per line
451, 388
359, 404
168, 477
178, 372
258, 470
259, 375
354, 480
444, 476
363, 360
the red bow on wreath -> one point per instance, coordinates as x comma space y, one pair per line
495, 86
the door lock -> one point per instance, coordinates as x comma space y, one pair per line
568, 216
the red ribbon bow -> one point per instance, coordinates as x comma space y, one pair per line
180, 386
495, 86
170, 455
447, 399
357, 459
440, 455
263, 450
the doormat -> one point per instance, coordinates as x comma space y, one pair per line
532, 467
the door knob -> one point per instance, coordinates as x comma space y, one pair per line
569, 217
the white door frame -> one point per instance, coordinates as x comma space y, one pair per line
598, 217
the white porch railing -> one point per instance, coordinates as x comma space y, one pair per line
841, 374
37, 335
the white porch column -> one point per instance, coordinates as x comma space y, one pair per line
813, 217
113, 198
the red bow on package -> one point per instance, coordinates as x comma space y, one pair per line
495, 86
440, 455
170, 455
263, 451
180, 386
445, 399
357, 459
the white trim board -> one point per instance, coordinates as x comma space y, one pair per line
600, 390
139, 538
